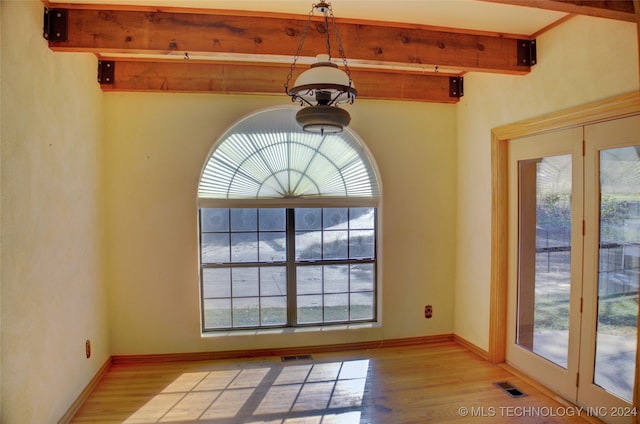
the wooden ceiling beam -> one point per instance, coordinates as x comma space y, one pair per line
622, 10
215, 77
167, 32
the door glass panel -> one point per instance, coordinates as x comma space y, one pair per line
619, 270
544, 256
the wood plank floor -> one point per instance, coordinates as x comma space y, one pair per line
436, 383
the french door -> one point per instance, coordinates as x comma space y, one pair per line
574, 243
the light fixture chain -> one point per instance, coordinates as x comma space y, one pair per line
340, 48
299, 50
328, 32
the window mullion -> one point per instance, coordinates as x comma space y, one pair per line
292, 309
231, 298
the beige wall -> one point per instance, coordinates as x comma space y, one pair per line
583, 60
52, 291
156, 146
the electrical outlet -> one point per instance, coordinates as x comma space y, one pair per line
87, 348
428, 311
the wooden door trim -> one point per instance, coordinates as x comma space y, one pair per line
603, 110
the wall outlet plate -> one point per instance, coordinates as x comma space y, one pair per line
428, 311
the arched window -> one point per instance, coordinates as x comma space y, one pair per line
288, 227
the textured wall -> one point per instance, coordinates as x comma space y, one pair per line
156, 147
583, 60
53, 297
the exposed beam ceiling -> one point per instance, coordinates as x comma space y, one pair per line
152, 48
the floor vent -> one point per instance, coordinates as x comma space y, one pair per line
290, 358
509, 389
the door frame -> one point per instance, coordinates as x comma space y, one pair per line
604, 110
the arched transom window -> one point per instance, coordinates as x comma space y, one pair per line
288, 227
267, 155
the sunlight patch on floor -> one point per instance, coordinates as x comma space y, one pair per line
330, 392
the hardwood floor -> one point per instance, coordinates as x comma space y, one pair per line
437, 383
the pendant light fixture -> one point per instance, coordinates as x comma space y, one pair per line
323, 87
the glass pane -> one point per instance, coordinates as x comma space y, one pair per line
308, 246
244, 247
335, 218
334, 244
361, 244
361, 218
336, 278
216, 282
336, 307
309, 279
362, 277
244, 219
544, 267
217, 313
245, 282
273, 247
246, 312
273, 310
273, 281
361, 307
309, 309
619, 270
215, 220
215, 248
308, 219
272, 219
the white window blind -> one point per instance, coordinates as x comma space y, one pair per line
268, 156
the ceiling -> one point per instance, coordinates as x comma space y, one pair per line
402, 49
465, 14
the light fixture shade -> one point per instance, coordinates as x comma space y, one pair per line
323, 119
327, 78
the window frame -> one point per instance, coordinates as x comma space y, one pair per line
266, 160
